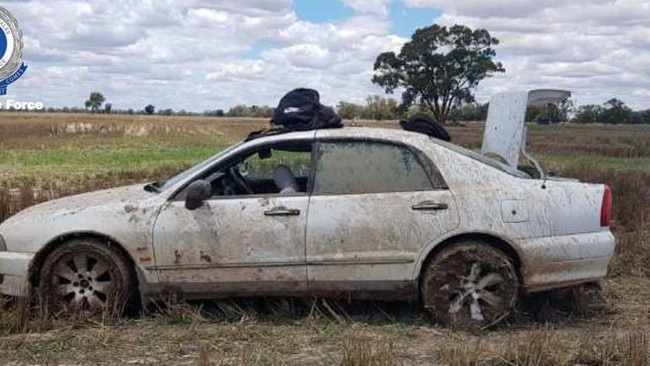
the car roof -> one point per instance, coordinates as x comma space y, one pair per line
349, 132
369, 132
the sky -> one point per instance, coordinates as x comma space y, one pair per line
200, 54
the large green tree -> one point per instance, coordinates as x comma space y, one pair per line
615, 111
95, 101
439, 67
589, 113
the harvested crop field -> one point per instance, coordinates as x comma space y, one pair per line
51, 155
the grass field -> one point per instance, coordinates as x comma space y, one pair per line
49, 155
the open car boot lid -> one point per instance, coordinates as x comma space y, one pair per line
505, 131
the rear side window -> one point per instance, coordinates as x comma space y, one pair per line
368, 167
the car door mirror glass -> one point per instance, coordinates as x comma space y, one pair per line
197, 192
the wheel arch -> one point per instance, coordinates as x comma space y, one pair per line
41, 255
488, 239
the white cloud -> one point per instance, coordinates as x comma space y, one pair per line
375, 7
204, 54
598, 49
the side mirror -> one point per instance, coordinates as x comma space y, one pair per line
197, 193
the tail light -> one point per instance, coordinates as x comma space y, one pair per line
606, 208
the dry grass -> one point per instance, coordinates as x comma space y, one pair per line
617, 337
14, 316
543, 347
25, 126
360, 351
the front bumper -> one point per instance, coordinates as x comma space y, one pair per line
561, 261
14, 271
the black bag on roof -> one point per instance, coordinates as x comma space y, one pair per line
425, 124
300, 109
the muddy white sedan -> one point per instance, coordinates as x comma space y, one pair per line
353, 212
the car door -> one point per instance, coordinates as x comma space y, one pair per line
374, 207
243, 240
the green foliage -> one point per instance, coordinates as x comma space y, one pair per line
350, 110
377, 108
533, 112
639, 117
214, 113
439, 67
470, 112
550, 113
564, 109
242, 110
94, 102
588, 113
614, 111
149, 109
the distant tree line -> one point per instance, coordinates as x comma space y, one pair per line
242, 110
614, 111
129, 111
376, 108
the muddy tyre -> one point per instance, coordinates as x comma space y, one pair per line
469, 284
86, 276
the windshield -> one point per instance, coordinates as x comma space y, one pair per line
483, 159
164, 184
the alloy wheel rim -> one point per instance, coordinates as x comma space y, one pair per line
83, 281
476, 293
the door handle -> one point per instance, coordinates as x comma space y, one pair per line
282, 211
429, 206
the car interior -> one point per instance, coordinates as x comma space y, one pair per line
282, 169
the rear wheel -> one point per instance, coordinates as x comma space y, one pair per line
87, 276
468, 284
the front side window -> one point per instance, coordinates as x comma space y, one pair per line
166, 183
359, 167
281, 169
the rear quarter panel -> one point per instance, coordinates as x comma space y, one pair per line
491, 201
553, 225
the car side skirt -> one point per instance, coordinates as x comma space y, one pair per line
367, 290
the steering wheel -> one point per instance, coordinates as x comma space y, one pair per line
240, 180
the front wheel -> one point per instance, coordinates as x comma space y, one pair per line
85, 275
468, 284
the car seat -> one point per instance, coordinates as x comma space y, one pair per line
285, 180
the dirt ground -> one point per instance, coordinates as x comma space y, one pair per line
362, 333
